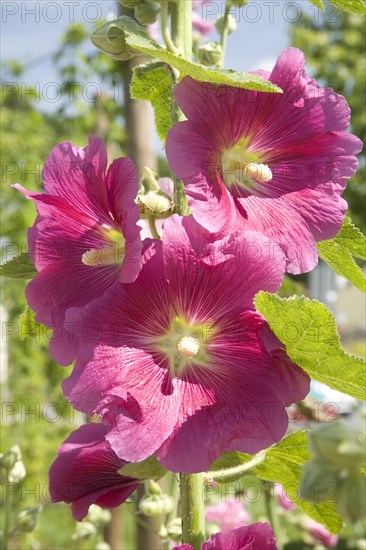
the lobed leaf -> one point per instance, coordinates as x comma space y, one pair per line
352, 6
19, 267
154, 82
308, 331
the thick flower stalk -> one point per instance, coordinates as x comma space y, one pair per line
179, 362
258, 536
85, 237
274, 163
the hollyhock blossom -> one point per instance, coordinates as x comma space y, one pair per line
283, 500
87, 471
269, 162
85, 236
179, 362
321, 534
258, 536
228, 515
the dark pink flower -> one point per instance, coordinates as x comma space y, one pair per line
228, 515
179, 361
86, 472
85, 237
274, 163
321, 534
258, 536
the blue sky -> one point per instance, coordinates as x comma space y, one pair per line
33, 28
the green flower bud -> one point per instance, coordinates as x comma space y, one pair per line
102, 546
231, 24
151, 200
111, 37
84, 530
174, 529
147, 13
9, 459
26, 519
318, 482
210, 54
98, 516
155, 505
351, 502
17, 473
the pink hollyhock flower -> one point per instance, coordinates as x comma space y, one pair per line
228, 515
283, 500
320, 533
258, 536
87, 471
85, 236
274, 163
179, 361
201, 26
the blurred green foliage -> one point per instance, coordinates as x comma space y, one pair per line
335, 52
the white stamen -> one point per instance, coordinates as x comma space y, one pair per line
188, 347
258, 172
103, 256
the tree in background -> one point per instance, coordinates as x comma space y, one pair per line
334, 48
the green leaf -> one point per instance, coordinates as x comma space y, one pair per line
28, 324
318, 3
339, 252
283, 464
308, 330
154, 82
198, 72
352, 6
19, 267
148, 469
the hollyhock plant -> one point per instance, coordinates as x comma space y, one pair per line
179, 362
269, 162
87, 471
228, 515
85, 237
321, 534
258, 536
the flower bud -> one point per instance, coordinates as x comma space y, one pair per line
130, 4
352, 498
11, 456
84, 530
17, 473
174, 529
26, 519
102, 546
151, 200
155, 505
210, 54
147, 13
318, 481
98, 516
231, 24
111, 37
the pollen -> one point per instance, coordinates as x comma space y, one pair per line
188, 347
258, 172
103, 256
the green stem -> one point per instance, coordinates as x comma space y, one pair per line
181, 19
224, 33
152, 227
165, 31
271, 513
236, 472
193, 509
7, 513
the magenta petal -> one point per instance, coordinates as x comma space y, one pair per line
258, 536
85, 472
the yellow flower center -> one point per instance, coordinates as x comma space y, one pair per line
241, 166
112, 253
185, 344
